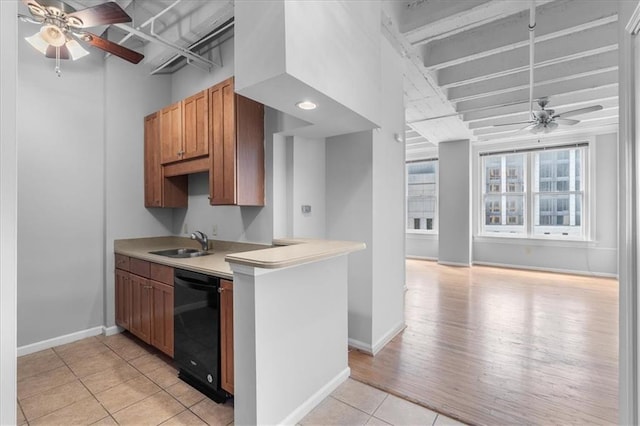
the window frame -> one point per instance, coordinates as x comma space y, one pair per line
587, 146
433, 231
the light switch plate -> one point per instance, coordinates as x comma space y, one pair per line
306, 208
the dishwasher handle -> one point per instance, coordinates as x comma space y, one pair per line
195, 284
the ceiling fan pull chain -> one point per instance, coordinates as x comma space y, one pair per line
57, 69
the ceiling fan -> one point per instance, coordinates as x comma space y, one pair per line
544, 120
62, 27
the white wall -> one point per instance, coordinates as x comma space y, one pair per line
365, 202
349, 189
307, 187
599, 256
388, 204
61, 125
8, 209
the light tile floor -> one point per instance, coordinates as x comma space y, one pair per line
120, 380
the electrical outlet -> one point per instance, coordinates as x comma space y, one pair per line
214, 230
185, 228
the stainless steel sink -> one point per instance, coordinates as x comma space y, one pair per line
181, 252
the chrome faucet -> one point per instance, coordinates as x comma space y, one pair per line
201, 237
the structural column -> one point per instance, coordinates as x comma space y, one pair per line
454, 195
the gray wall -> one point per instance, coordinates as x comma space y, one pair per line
60, 194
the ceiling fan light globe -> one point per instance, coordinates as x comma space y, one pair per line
38, 43
552, 126
53, 35
76, 51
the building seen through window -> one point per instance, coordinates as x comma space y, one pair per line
422, 194
554, 188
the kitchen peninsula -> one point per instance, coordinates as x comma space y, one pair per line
289, 318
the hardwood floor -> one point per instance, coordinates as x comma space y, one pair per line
499, 346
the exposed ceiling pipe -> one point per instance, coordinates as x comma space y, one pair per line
195, 45
532, 33
150, 20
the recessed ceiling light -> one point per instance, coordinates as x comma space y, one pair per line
306, 105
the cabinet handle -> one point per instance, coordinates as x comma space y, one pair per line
220, 289
148, 286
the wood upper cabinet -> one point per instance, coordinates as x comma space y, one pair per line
162, 317
236, 138
171, 133
226, 335
140, 324
195, 125
160, 191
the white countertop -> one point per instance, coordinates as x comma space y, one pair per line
284, 253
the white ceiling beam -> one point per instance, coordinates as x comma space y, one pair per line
582, 67
584, 43
432, 20
554, 20
552, 89
600, 94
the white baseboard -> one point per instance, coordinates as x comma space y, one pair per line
381, 343
298, 414
410, 256
555, 270
60, 340
110, 331
446, 263
364, 347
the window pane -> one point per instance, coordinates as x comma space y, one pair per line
504, 193
422, 194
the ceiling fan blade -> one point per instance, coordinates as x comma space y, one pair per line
579, 111
513, 123
113, 48
566, 121
51, 52
102, 14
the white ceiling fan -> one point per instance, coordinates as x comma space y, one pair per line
545, 119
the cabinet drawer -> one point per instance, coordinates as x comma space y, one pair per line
122, 262
139, 267
161, 273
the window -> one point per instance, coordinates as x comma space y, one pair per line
536, 192
422, 195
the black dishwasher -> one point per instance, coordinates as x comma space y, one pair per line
196, 321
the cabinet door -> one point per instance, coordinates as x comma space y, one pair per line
171, 133
195, 118
140, 323
222, 154
226, 335
162, 317
152, 167
123, 298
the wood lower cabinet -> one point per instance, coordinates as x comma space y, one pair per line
140, 307
162, 317
123, 298
236, 125
226, 335
144, 301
